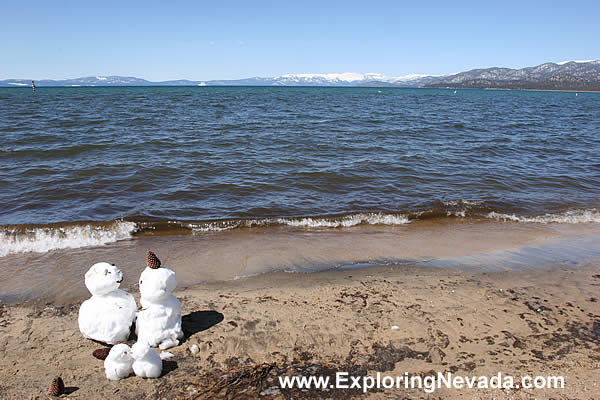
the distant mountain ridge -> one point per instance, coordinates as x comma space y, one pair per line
549, 76
97, 81
569, 75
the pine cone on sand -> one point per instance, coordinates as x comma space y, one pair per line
57, 387
102, 353
153, 261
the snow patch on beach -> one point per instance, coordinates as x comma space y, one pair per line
44, 239
568, 217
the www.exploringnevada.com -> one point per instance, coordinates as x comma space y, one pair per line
429, 384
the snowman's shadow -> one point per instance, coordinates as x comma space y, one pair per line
198, 321
168, 366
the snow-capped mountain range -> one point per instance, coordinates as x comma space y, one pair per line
567, 75
339, 79
343, 78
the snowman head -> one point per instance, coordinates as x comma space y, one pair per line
120, 353
139, 350
103, 278
157, 284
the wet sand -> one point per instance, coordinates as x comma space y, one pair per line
57, 276
249, 331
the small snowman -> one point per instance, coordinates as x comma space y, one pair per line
119, 362
146, 361
108, 315
159, 320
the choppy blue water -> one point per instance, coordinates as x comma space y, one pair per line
88, 167
231, 153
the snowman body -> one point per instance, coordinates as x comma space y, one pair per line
108, 315
159, 321
119, 362
146, 361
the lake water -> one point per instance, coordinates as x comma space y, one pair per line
91, 169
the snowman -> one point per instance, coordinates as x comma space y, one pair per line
159, 320
146, 361
106, 316
119, 362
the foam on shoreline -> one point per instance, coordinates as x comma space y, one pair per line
568, 217
47, 238
238, 253
16, 239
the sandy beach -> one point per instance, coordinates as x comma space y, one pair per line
394, 320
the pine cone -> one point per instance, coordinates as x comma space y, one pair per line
57, 387
102, 353
153, 261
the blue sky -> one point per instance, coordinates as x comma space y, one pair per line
201, 40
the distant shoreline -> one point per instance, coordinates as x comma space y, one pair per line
526, 90
294, 86
568, 75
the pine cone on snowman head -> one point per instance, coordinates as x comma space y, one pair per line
156, 282
153, 261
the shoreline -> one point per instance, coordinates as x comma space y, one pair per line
525, 90
28, 87
467, 323
56, 276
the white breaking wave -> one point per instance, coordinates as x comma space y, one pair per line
44, 239
464, 205
217, 226
308, 222
347, 221
462, 202
461, 213
568, 217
